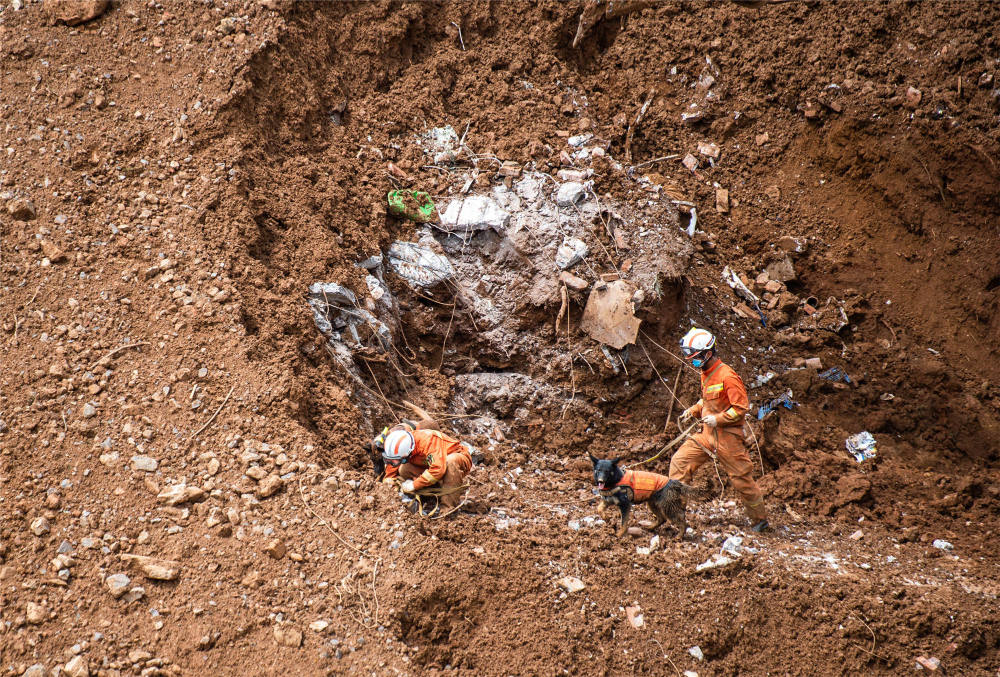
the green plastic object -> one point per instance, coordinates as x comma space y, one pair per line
415, 205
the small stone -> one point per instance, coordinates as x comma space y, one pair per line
572, 281
570, 252
790, 244
690, 161
36, 670
89, 410
942, 545
857, 535
155, 568
117, 584
40, 526
722, 200
229, 25
930, 664
77, 667
53, 501
570, 193
318, 626
697, 652
773, 286
180, 493
52, 252
269, 486
76, 12
213, 467
571, 584
814, 363
708, 149
134, 595
636, 532
21, 209
287, 635
912, 98
762, 139
35, 613
782, 270
634, 615
276, 548
256, 472
144, 463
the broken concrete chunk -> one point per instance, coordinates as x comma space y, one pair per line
609, 316
571, 584
180, 493
570, 193
418, 265
708, 149
155, 568
476, 212
782, 270
571, 252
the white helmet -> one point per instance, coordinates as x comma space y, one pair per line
695, 341
398, 447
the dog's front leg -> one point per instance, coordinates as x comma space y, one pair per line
625, 506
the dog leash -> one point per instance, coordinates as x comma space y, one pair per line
670, 445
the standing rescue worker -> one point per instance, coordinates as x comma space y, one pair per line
721, 409
422, 456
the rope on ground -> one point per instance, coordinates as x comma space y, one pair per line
212, 417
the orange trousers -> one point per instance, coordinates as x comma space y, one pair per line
733, 458
459, 465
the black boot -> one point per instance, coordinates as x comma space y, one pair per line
761, 527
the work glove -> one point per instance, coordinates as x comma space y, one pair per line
710, 421
407, 487
395, 481
686, 415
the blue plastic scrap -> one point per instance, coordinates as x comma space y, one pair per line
835, 374
785, 401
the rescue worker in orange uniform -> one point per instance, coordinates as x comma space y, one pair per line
422, 456
721, 409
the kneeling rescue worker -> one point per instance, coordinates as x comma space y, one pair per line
422, 456
721, 409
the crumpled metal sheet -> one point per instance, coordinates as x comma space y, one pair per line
609, 316
339, 318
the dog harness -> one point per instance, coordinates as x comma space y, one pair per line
644, 484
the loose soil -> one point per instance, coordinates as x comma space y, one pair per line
192, 169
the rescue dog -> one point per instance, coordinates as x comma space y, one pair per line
665, 496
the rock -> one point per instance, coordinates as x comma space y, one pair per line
930, 664
52, 252
319, 626
814, 363
572, 281
155, 568
722, 200
571, 252
634, 615
635, 532
690, 161
762, 139
570, 193
476, 212
708, 149
269, 486
40, 526
287, 635
76, 12
942, 545
117, 584
276, 548
134, 595
89, 410
35, 613
857, 535
910, 535
697, 652
22, 209
782, 270
36, 670
912, 98
772, 286
571, 584
77, 667
716, 561
229, 25
609, 316
144, 463
256, 472
180, 493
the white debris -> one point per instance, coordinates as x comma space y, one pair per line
942, 545
570, 193
418, 265
571, 252
570, 584
716, 561
694, 222
696, 652
476, 212
578, 140
861, 446
733, 545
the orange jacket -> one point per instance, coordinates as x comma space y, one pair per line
431, 451
644, 484
723, 395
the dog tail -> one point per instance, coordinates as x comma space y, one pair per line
682, 489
